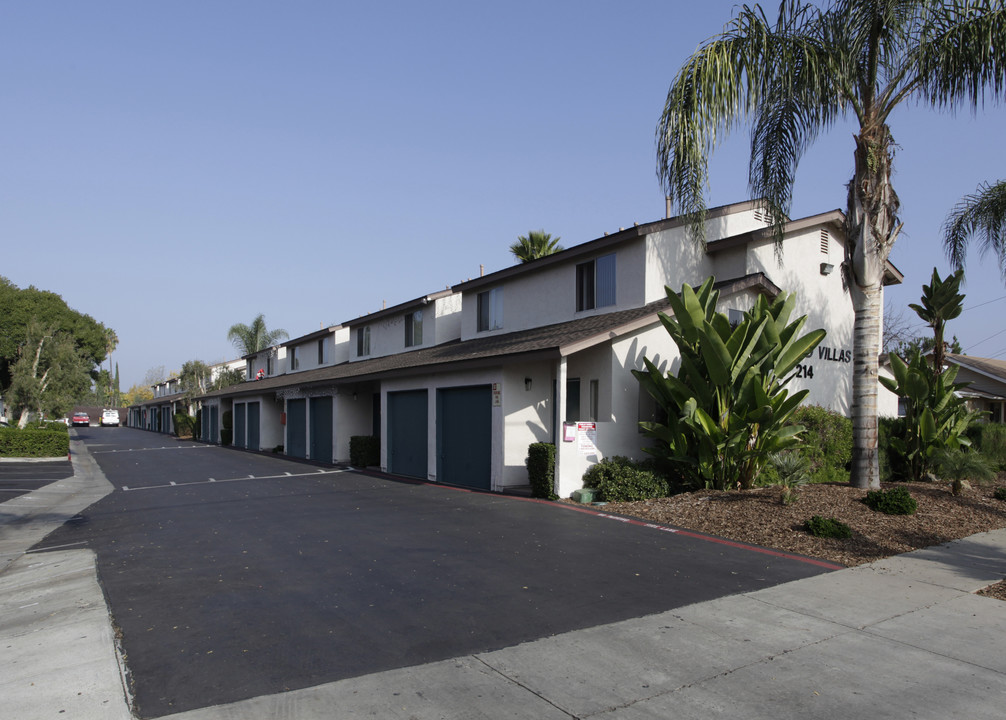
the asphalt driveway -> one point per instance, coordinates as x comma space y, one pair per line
232, 575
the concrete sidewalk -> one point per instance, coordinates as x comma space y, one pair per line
903, 637
58, 646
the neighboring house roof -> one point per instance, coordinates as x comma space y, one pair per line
990, 368
548, 341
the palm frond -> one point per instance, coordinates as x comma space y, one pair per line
981, 215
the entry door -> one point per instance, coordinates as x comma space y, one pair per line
215, 424
254, 414
407, 433
464, 436
296, 428
321, 429
239, 425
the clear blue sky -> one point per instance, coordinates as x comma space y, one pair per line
173, 168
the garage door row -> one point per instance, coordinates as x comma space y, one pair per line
462, 438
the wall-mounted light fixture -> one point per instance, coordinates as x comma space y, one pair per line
826, 268
527, 384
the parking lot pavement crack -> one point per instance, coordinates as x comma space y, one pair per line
522, 686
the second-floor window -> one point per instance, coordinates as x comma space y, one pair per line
249, 369
414, 328
294, 358
595, 283
490, 309
323, 350
269, 367
363, 341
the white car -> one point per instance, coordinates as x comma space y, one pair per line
110, 417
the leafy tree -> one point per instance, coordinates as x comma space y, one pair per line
981, 215
534, 245
137, 394
252, 338
19, 307
227, 377
924, 345
727, 408
942, 301
797, 77
195, 380
49, 375
155, 375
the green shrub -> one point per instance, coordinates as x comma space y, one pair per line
826, 443
895, 501
541, 470
827, 527
892, 465
197, 426
992, 443
34, 442
226, 436
1000, 493
184, 425
364, 451
619, 479
227, 420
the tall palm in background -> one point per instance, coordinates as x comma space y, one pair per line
536, 244
982, 214
252, 338
797, 77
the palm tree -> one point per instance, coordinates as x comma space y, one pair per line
797, 77
536, 244
982, 214
252, 338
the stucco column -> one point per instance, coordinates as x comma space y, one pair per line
560, 416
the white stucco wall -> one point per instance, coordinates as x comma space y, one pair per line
527, 416
353, 416
548, 296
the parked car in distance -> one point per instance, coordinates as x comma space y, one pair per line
80, 418
110, 417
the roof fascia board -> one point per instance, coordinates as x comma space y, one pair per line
602, 243
396, 309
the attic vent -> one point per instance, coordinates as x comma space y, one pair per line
824, 242
760, 215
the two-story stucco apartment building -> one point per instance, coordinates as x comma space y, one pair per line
458, 383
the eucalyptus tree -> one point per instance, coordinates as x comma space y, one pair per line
982, 215
796, 77
252, 338
536, 244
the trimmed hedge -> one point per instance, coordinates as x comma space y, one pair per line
364, 451
541, 470
32, 442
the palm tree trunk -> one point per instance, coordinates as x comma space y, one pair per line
871, 229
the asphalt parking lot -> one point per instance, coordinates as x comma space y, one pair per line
232, 575
20, 478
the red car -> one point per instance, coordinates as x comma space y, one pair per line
80, 418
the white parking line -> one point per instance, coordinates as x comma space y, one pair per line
164, 447
237, 479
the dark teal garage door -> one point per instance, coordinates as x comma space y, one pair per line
407, 433
239, 425
296, 428
321, 429
464, 436
254, 413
